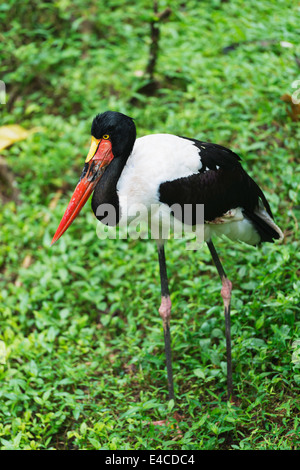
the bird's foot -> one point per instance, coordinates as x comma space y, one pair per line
226, 291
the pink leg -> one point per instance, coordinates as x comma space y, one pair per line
165, 309
226, 296
165, 313
226, 292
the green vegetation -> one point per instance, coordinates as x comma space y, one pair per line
85, 365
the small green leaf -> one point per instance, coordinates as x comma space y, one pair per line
3, 352
171, 404
260, 322
83, 429
199, 373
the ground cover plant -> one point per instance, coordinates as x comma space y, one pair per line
82, 355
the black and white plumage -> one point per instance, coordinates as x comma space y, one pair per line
167, 169
164, 169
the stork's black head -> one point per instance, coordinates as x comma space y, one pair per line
118, 128
113, 137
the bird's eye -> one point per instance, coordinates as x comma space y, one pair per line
105, 136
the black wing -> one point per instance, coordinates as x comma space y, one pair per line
221, 184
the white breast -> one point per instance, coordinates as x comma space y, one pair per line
155, 159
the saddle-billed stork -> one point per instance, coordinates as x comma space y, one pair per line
165, 169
